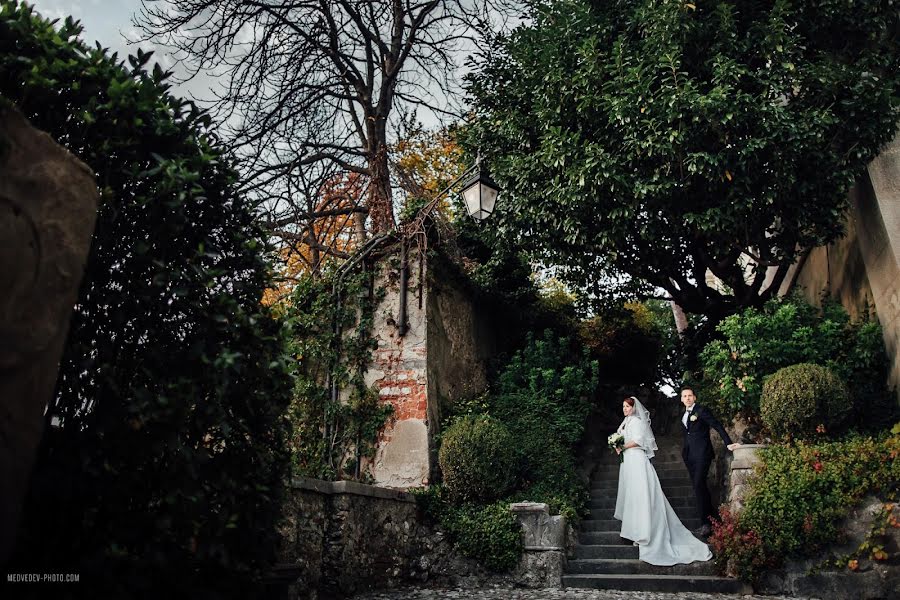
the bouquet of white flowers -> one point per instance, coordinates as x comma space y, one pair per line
616, 440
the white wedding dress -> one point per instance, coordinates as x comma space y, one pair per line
646, 515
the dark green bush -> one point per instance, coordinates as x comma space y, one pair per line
543, 396
164, 458
805, 490
804, 400
788, 331
488, 533
477, 459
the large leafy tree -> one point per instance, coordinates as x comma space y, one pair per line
663, 142
164, 454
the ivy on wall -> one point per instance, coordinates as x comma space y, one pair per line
333, 344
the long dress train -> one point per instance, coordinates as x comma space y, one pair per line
646, 515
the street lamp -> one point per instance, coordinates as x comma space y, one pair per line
480, 194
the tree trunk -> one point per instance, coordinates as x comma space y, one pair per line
380, 206
681, 322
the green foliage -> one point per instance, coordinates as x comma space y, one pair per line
488, 533
650, 141
333, 435
758, 342
478, 459
807, 489
541, 397
164, 455
803, 400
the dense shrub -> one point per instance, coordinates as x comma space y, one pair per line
804, 400
758, 342
541, 397
488, 533
806, 489
738, 551
165, 460
477, 459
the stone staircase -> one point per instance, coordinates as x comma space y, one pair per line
605, 561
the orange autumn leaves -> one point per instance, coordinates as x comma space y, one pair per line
424, 163
322, 237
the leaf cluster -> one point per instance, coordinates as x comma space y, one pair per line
787, 331
165, 442
478, 459
802, 400
807, 489
659, 141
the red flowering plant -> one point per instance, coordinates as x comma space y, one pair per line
800, 494
739, 552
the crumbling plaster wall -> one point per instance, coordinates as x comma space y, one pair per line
440, 359
398, 371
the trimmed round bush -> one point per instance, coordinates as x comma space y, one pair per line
798, 399
478, 459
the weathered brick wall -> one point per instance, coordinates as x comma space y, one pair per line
440, 359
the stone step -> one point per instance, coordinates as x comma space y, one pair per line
691, 522
699, 584
586, 551
671, 491
664, 481
676, 502
605, 514
633, 566
606, 538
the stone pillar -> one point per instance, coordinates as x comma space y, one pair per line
544, 540
48, 205
741, 468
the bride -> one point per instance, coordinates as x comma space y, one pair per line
646, 515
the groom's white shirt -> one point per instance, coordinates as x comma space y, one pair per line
687, 413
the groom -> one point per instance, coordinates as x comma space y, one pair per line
698, 452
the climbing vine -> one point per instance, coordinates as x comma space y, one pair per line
336, 417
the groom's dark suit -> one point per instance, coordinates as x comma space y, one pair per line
698, 455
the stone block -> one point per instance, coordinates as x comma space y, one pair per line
48, 206
540, 531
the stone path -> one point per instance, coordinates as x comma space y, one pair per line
501, 593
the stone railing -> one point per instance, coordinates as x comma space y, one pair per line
340, 538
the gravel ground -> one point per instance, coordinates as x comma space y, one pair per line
499, 593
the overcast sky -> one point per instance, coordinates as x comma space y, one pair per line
109, 22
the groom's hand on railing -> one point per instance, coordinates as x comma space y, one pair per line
731, 447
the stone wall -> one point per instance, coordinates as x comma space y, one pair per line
863, 269
341, 538
459, 344
440, 358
